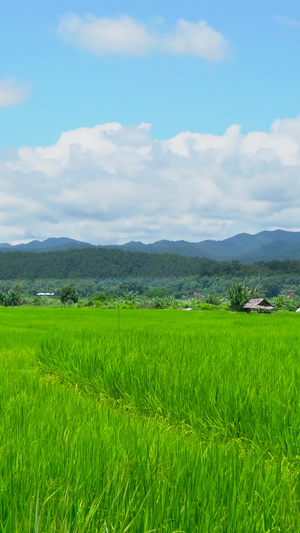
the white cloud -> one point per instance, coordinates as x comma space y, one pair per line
196, 40
103, 36
126, 36
12, 92
287, 21
112, 184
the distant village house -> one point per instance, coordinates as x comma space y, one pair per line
290, 294
198, 295
258, 304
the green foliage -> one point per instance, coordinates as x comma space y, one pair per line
100, 297
13, 299
239, 294
133, 287
157, 292
133, 275
68, 294
99, 263
272, 287
18, 288
163, 303
288, 304
213, 298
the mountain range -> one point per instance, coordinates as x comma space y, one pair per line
246, 248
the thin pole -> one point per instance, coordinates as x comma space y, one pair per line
119, 319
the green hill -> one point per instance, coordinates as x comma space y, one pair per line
103, 263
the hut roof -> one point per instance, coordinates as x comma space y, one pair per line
258, 303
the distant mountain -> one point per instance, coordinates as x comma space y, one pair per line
52, 244
246, 248
264, 246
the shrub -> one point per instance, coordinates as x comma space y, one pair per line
68, 294
13, 299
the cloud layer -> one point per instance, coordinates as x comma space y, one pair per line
12, 92
126, 36
112, 184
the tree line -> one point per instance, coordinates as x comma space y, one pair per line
95, 263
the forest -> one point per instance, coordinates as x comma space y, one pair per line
116, 272
107, 263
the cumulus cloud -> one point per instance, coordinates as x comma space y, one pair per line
12, 92
112, 184
126, 36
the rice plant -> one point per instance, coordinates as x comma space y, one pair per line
174, 422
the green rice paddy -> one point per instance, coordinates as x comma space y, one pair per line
149, 421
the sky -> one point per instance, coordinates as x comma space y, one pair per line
140, 121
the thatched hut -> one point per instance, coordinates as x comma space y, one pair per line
258, 304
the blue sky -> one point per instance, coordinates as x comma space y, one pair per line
65, 67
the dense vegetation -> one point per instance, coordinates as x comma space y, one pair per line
149, 421
115, 273
98, 263
106, 263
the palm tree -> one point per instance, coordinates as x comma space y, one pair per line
239, 294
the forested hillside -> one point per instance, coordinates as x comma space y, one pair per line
99, 263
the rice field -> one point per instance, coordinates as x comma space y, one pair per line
149, 421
